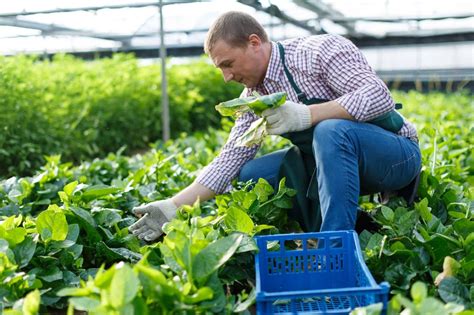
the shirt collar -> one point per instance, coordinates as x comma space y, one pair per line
275, 67
274, 70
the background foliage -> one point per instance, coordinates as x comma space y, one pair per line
83, 110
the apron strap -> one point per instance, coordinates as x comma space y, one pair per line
301, 96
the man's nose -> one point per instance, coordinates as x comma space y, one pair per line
227, 75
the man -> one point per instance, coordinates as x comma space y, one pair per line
334, 102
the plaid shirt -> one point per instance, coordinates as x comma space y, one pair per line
323, 66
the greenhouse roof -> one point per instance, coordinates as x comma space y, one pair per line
50, 26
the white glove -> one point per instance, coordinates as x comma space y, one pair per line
287, 118
153, 216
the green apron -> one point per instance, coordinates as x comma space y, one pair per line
299, 166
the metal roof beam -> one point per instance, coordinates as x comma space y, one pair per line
97, 7
124, 37
273, 10
401, 19
52, 29
325, 11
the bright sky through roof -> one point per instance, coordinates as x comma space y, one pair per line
144, 20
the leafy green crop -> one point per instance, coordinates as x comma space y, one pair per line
64, 240
257, 104
64, 233
415, 241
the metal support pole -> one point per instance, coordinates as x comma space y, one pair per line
165, 113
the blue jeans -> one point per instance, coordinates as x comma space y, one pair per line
351, 158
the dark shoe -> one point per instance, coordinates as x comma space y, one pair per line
366, 222
409, 193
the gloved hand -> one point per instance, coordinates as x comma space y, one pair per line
153, 216
287, 118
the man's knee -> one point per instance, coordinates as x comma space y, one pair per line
330, 132
330, 126
246, 172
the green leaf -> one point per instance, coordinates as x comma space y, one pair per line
418, 292
262, 227
242, 306
263, 190
248, 244
399, 275
469, 247
457, 309
10, 231
254, 135
74, 292
464, 227
249, 200
257, 131
236, 106
457, 215
218, 301
73, 232
238, 220
440, 246
204, 293
69, 188
24, 251
424, 210
284, 203
104, 278
86, 222
54, 221
372, 309
214, 256
157, 276
388, 213
87, 304
94, 192
124, 286
152, 278
364, 238
13, 236
31, 303
407, 222
12, 312
431, 306
107, 217
375, 241
46, 234
50, 274
256, 103
140, 306
180, 248
170, 259
112, 254
454, 291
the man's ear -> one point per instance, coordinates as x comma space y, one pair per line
254, 40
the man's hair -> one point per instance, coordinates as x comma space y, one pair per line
234, 28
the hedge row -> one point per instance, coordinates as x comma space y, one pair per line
83, 109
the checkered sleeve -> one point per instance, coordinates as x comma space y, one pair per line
217, 176
364, 95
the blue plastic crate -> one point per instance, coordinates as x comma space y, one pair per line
324, 274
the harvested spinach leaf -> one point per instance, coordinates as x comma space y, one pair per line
257, 103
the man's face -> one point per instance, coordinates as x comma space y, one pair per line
244, 65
